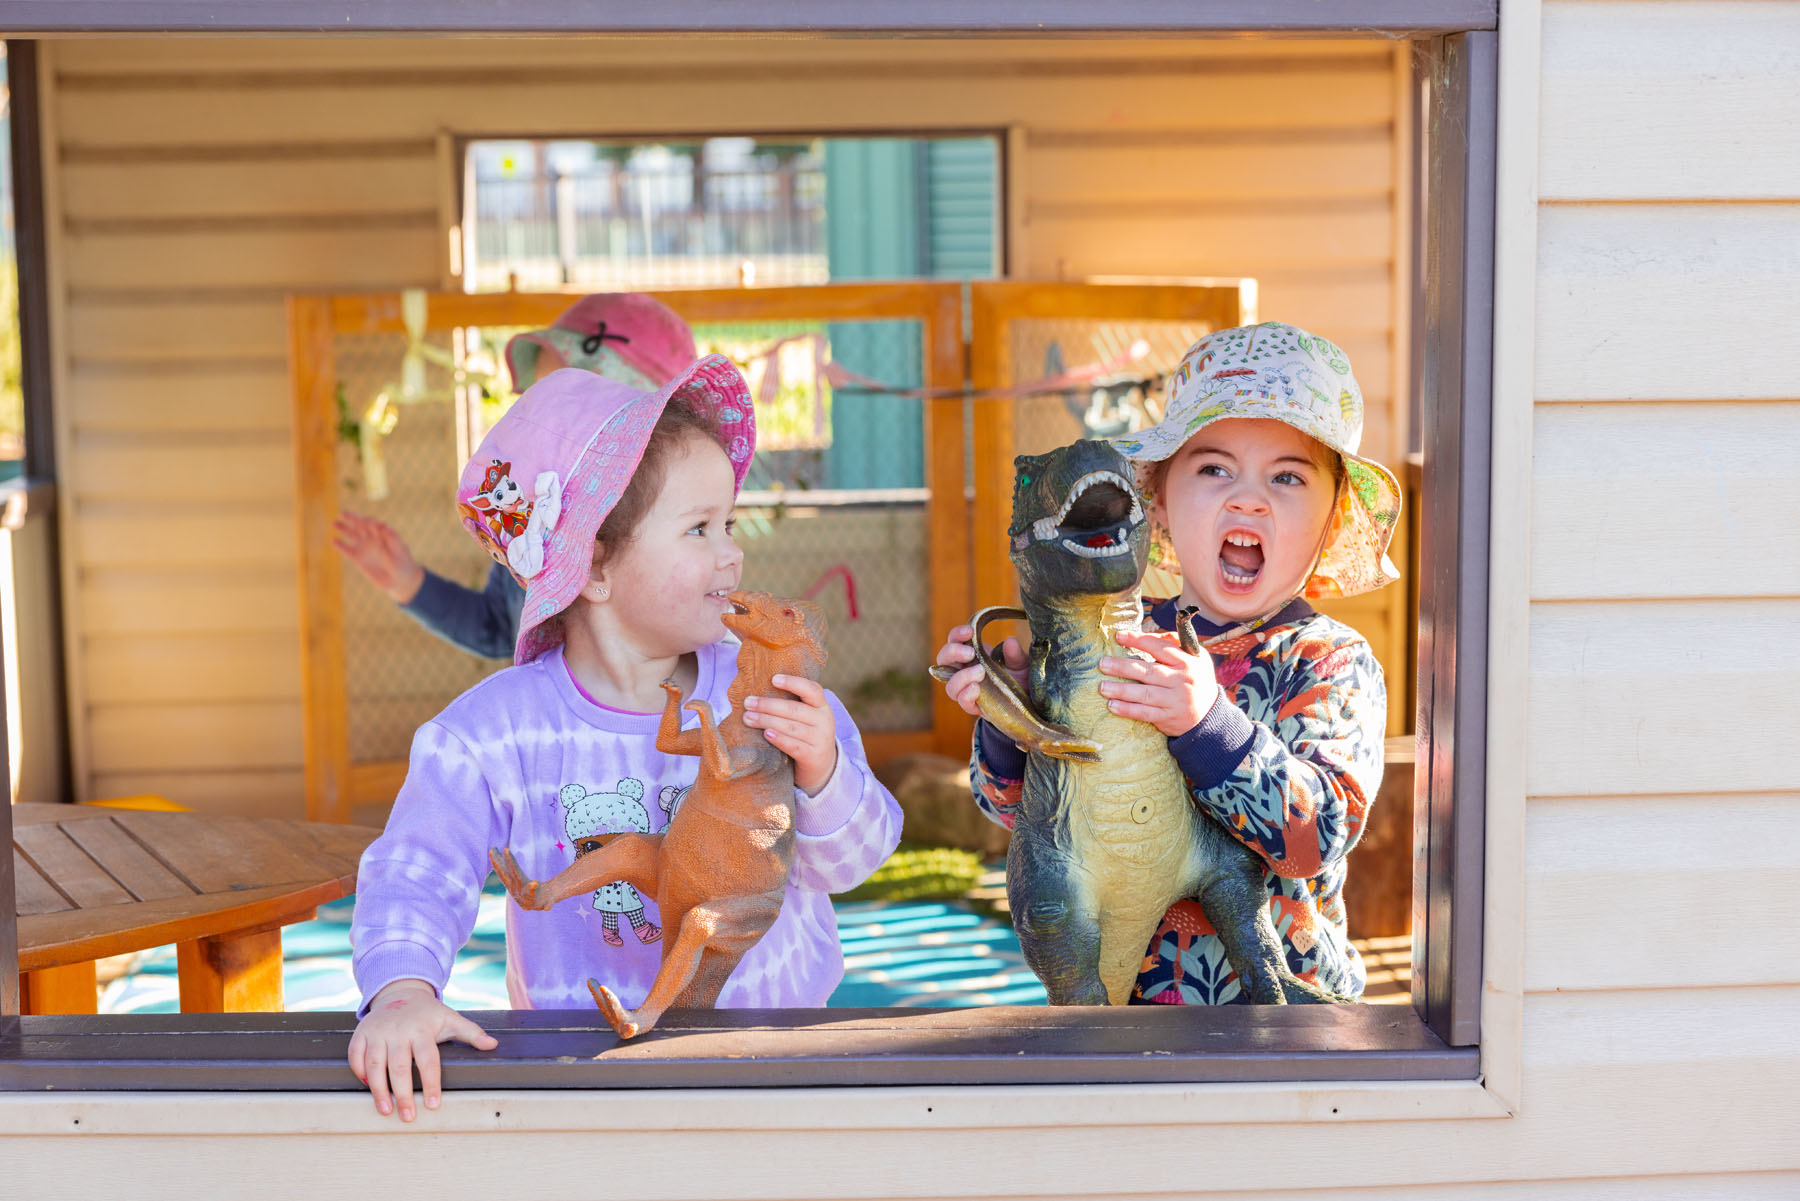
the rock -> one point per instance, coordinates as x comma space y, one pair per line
933, 791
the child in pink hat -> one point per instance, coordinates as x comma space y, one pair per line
626, 336
612, 506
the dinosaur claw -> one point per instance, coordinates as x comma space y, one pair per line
1075, 751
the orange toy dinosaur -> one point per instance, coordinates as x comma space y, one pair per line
719, 871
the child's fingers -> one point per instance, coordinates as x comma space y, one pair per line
965, 686
431, 1072
1149, 713
375, 1076
1143, 672
358, 1049
1134, 693
464, 1031
1013, 655
955, 654
810, 691
1164, 648
399, 1074
778, 706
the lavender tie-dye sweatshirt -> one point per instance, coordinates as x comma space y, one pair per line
525, 760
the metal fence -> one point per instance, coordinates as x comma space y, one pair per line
621, 222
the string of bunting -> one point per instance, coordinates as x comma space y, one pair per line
479, 370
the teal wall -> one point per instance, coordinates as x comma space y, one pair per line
898, 208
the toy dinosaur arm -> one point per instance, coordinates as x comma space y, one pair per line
671, 739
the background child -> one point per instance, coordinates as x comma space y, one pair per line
1259, 495
626, 336
616, 512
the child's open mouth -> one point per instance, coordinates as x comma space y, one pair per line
1240, 561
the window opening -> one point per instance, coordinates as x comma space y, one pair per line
1472, 324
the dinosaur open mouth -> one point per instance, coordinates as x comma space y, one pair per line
1096, 519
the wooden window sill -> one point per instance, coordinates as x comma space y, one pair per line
1002, 1045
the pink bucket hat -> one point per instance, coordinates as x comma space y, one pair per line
548, 473
627, 336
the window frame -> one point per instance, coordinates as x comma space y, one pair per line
1437, 1039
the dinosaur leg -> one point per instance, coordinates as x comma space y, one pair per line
1236, 902
671, 739
715, 755
633, 858
1240, 915
731, 922
1058, 928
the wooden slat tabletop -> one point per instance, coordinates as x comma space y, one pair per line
93, 882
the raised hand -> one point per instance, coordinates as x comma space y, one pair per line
379, 553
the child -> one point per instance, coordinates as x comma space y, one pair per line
626, 336
613, 506
1256, 489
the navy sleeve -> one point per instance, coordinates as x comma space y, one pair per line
484, 623
1213, 749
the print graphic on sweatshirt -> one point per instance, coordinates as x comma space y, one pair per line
593, 819
669, 798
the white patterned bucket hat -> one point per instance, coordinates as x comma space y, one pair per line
1283, 373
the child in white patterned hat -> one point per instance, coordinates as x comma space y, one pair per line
1260, 502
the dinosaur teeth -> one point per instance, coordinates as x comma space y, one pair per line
1097, 552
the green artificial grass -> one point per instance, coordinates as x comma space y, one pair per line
914, 873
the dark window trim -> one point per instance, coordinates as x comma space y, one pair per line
1033, 17
1459, 146
1432, 1040
754, 1049
34, 497
30, 231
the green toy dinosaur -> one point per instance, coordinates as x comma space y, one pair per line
1106, 836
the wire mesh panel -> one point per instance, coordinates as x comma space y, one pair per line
836, 507
812, 523
397, 675
1117, 369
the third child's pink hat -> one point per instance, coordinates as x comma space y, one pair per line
545, 477
627, 336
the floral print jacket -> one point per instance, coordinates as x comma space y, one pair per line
1289, 766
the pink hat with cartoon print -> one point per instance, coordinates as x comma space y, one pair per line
547, 474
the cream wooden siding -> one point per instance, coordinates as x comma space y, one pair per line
1658, 956
200, 181
1664, 801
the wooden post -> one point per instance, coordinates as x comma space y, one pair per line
326, 735
71, 988
947, 510
233, 973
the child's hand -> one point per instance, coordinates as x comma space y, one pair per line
406, 1022
379, 553
806, 729
1172, 691
965, 686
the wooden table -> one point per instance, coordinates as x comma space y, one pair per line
93, 882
